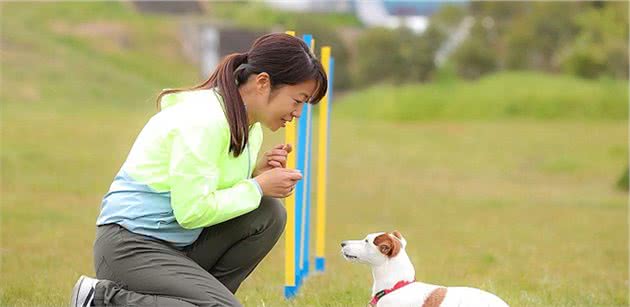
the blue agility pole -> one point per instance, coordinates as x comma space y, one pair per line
300, 188
306, 212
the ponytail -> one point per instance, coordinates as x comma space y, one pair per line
225, 81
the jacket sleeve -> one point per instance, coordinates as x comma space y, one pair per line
194, 174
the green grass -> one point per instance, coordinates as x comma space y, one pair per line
482, 204
503, 95
523, 206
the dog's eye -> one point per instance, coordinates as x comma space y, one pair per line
366, 241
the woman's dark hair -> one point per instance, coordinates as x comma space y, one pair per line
287, 60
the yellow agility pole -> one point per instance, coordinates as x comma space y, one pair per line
321, 169
290, 288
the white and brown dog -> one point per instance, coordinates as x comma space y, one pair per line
394, 277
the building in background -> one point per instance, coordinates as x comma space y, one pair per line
319, 6
373, 13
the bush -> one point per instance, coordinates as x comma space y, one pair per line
601, 47
585, 61
585, 38
623, 182
539, 33
379, 57
418, 54
400, 55
476, 57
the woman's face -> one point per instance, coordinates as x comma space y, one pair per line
285, 103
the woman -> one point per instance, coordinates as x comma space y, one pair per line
188, 216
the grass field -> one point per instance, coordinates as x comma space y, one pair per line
518, 204
525, 209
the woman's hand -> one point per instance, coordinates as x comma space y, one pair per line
278, 182
274, 158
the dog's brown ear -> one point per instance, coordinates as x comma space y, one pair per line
397, 234
385, 248
387, 245
396, 246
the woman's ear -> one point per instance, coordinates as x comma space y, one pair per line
263, 83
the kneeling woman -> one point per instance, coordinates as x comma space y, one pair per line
191, 212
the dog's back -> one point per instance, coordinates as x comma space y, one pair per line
466, 296
420, 295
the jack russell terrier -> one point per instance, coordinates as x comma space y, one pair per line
394, 277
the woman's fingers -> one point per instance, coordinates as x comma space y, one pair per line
277, 159
294, 176
274, 163
287, 147
277, 152
277, 156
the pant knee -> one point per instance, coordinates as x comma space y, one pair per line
275, 214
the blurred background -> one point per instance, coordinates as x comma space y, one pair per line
493, 135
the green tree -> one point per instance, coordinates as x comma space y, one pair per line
536, 35
418, 54
476, 56
380, 57
601, 47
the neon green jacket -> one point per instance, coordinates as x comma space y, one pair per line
179, 176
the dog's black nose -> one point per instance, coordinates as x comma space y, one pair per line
343, 244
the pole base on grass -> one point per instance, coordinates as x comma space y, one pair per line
290, 291
305, 271
320, 264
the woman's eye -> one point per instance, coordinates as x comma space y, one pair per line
297, 101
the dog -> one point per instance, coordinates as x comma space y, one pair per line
395, 282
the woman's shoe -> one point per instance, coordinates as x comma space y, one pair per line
83, 292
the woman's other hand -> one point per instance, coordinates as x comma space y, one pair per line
278, 182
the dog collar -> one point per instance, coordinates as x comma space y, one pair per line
382, 293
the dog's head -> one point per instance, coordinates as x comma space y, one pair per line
375, 248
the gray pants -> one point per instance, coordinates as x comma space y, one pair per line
137, 270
